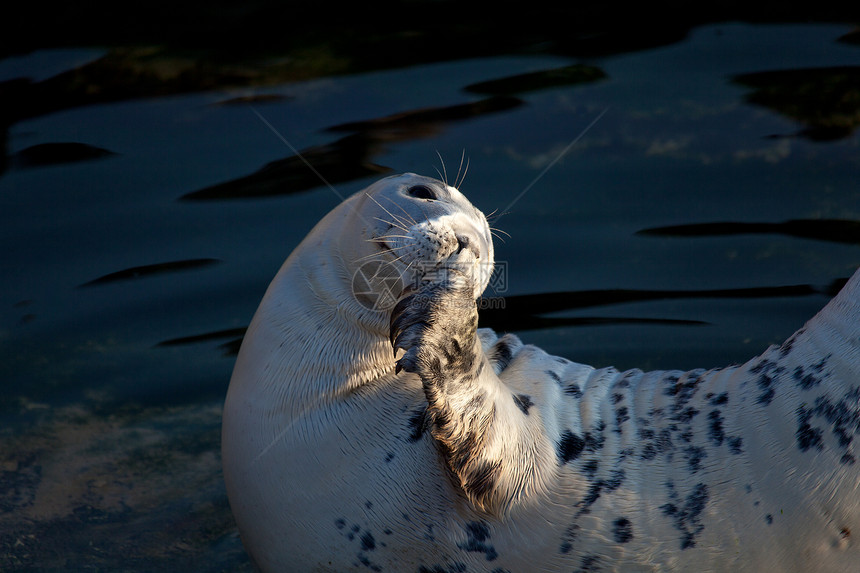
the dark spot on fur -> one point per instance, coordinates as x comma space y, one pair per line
589, 564
594, 440
477, 535
554, 376
616, 478
810, 377
622, 530
687, 518
787, 346
569, 447
417, 424
625, 380
684, 391
735, 445
589, 468
368, 543
686, 415
719, 400
340, 523
715, 427
843, 416
523, 402
807, 436
501, 354
591, 497
613, 482
389, 456
565, 548
352, 532
656, 444
768, 519
481, 480
766, 397
453, 568
362, 558
568, 538
694, 456
621, 416
805, 380
769, 374
455, 345
573, 390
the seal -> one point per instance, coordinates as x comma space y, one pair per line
466, 451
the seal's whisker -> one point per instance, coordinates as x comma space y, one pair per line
496, 215
379, 270
372, 256
409, 217
458, 181
409, 238
444, 173
403, 225
396, 221
495, 230
381, 238
393, 224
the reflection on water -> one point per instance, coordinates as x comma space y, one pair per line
825, 100
348, 158
528, 312
540, 80
678, 232
54, 153
150, 270
835, 230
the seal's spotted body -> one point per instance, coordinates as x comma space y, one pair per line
470, 452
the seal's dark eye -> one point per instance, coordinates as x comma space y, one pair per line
421, 192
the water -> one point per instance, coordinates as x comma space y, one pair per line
138, 235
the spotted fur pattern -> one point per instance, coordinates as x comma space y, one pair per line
676, 463
472, 452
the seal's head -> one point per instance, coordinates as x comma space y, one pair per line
414, 229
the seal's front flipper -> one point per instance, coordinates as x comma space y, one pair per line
489, 448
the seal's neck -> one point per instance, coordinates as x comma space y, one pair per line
312, 339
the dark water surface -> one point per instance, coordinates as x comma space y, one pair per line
672, 202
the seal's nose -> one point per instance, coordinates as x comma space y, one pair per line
463, 242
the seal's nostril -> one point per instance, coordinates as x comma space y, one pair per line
463, 242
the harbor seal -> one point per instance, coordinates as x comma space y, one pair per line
467, 451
